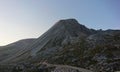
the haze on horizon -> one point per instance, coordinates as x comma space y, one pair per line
20, 19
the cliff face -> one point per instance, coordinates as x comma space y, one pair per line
71, 43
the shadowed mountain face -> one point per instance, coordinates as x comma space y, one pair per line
71, 43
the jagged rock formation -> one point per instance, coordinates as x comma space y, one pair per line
71, 43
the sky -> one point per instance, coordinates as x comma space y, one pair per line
20, 19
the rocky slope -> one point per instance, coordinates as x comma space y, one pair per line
98, 52
71, 43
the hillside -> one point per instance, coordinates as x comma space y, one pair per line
70, 43
11, 49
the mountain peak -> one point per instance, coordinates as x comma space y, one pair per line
71, 25
67, 22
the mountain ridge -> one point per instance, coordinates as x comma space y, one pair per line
57, 31
71, 43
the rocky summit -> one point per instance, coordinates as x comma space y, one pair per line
68, 46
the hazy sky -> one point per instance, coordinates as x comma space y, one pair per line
21, 19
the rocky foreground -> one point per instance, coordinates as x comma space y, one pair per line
40, 68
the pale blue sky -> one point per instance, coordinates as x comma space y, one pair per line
21, 19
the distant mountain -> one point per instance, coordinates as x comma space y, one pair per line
71, 43
11, 49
